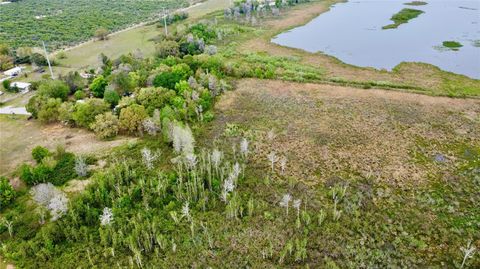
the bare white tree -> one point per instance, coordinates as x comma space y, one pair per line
191, 160
272, 157
43, 193
107, 217
150, 126
148, 158
81, 167
244, 147
186, 211
216, 158
467, 253
211, 49
283, 164
58, 206
296, 204
285, 202
199, 112
9, 225
183, 141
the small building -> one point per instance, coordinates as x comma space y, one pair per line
86, 75
22, 86
13, 72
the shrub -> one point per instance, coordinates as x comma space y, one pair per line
49, 111
7, 193
56, 169
85, 113
154, 98
65, 112
131, 118
98, 86
79, 95
169, 79
105, 125
167, 112
111, 96
34, 105
54, 89
39, 153
202, 31
6, 84
73, 80
123, 82
208, 116
101, 33
167, 48
64, 169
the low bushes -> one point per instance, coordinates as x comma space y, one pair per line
56, 168
7, 193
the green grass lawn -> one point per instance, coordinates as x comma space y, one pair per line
87, 55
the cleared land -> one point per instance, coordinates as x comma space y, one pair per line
18, 136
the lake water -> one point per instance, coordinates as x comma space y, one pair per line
353, 33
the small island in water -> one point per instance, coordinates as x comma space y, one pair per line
402, 17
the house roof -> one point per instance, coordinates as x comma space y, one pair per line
13, 71
21, 85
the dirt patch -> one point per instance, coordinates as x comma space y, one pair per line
326, 131
18, 136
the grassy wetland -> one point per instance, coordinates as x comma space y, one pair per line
225, 150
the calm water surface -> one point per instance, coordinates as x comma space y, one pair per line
353, 33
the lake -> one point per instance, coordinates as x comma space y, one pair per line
352, 32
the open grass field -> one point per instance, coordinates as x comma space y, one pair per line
131, 40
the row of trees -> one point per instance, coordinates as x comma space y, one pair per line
66, 23
132, 95
23, 55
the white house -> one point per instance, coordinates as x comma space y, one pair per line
22, 86
13, 72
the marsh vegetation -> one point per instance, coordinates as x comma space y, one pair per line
248, 154
402, 17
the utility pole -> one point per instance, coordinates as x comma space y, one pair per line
48, 61
165, 21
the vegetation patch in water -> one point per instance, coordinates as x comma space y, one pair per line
416, 3
402, 17
454, 45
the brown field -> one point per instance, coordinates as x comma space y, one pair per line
18, 136
327, 131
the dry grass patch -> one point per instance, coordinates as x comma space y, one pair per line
18, 136
328, 131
